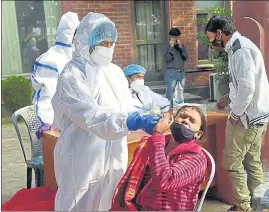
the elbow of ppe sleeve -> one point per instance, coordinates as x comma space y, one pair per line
113, 128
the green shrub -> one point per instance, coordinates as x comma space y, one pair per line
16, 91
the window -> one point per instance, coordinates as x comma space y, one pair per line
202, 48
201, 12
202, 5
149, 22
29, 30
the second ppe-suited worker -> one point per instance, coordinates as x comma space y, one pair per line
49, 66
144, 98
91, 105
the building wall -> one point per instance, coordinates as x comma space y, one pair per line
259, 11
181, 14
120, 13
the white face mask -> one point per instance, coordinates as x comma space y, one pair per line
137, 85
102, 55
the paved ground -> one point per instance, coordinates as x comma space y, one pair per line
14, 168
13, 164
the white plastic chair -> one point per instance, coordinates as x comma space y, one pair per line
211, 170
36, 161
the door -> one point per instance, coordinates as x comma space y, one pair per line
149, 36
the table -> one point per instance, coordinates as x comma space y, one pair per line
214, 143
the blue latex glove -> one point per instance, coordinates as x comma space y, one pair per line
133, 121
148, 122
41, 129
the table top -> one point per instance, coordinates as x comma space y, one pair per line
212, 119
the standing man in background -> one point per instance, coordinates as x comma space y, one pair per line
30, 53
249, 109
175, 55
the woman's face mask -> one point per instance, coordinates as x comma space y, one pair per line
102, 55
137, 85
181, 133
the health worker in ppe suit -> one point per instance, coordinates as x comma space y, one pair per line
94, 111
144, 99
49, 66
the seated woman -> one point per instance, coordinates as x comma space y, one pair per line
143, 97
166, 172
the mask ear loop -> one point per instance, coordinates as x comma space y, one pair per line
130, 81
91, 49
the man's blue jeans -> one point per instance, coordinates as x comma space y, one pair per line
171, 79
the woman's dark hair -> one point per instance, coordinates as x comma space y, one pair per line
174, 32
220, 23
202, 116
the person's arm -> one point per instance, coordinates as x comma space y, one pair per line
36, 83
169, 52
183, 53
245, 75
76, 101
44, 81
165, 176
160, 101
44, 76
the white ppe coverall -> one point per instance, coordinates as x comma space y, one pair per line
91, 105
147, 98
143, 97
49, 65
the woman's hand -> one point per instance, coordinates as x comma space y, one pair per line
163, 124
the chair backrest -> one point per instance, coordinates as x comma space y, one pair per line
211, 168
29, 117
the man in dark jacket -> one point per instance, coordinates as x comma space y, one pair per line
174, 56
